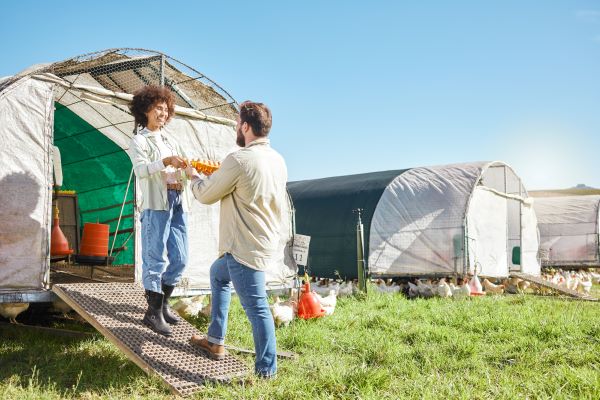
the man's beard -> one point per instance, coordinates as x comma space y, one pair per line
240, 140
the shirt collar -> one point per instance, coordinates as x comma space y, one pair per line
259, 141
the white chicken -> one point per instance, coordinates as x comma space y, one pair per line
346, 289
189, 306
283, 313
443, 289
585, 285
328, 302
12, 310
462, 291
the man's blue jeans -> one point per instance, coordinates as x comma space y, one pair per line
250, 286
164, 230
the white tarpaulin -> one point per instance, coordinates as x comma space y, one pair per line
568, 229
418, 227
25, 184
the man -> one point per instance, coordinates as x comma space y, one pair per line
251, 185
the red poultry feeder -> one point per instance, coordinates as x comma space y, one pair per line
308, 306
59, 246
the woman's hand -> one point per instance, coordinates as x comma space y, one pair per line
175, 161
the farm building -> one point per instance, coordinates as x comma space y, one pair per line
569, 230
439, 220
72, 118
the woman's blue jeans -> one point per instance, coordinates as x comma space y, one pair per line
250, 286
164, 231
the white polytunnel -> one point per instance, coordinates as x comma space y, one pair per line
72, 117
440, 220
569, 230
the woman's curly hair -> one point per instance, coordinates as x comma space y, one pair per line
145, 98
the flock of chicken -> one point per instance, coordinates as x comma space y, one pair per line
580, 281
327, 291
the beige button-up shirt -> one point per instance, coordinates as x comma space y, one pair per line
251, 185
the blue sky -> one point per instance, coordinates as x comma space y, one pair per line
367, 86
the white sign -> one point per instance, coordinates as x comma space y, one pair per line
301, 243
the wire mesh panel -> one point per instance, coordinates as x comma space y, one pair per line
117, 309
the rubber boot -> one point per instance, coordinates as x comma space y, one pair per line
154, 316
168, 313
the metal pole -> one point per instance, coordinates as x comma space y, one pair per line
162, 69
360, 257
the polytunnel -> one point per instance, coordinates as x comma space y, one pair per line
72, 116
569, 230
426, 221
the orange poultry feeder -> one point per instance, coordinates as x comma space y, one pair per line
59, 246
94, 241
308, 306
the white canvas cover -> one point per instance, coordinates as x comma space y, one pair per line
568, 229
419, 224
26, 116
417, 227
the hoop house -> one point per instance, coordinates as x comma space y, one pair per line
569, 230
78, 109
421, 221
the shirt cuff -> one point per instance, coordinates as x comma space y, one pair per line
155, 167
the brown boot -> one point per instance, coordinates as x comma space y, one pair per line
212, 351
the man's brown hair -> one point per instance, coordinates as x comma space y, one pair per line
258, 116
145, 98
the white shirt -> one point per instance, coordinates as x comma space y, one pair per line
169, 173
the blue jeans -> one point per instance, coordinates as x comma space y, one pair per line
164, 230
250, 286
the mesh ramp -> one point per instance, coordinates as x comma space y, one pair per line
116, 310
560, 289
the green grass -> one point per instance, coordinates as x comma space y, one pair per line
387, 347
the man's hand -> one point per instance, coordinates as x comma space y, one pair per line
175, 161
191, 172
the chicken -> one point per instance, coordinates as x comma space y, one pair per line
346, 289
12, 310
413, 290
512, 285
425, 289
443, 289
462, 291
491, 288
328, 303
389, 287
585, 286
60, 306
322, 288
283, 313
189, 306
524, 285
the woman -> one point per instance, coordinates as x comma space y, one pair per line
159, 163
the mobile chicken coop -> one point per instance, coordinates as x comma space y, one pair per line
569, 230
428, 221
72, 116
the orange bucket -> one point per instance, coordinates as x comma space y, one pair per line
94, 241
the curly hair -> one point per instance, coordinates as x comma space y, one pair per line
148, 96
258, 116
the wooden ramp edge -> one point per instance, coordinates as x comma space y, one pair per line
540, 282
116, 311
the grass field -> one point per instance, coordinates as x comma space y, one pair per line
384, 347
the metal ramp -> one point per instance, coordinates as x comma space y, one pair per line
116, 310
540, 282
